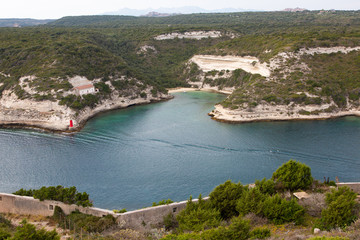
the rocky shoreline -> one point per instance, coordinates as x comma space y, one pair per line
50, 117
273, 113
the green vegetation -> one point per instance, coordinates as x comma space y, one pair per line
225, 196
59, 193
280, 210
198, 216
29, 232
234, 211
83, 222
120, 211
266, 186
238, 229
110, 48
162, 202
260, 233
341, 209
24, 231
293, 175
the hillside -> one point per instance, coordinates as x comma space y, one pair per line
22, 22
131, 60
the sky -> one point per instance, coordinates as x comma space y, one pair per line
53, 9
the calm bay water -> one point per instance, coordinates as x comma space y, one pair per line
133, 157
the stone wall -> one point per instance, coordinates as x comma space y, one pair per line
142, 220
10, 203
151, 217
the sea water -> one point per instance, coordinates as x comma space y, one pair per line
132, 157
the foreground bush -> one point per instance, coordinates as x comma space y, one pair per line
340, 211
274, 208
59, 193
28, 231
279, 210
198, 216
251, 202
4, 234
239, 229
260, 233
225, 196
266, 186
293, 175
88, 223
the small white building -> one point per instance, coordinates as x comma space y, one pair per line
84, 89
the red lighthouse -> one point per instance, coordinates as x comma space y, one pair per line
71, 123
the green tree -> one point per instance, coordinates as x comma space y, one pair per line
340, 211
198, 216
265, 186
225, 196
293, 175
250, 201
279, 210
58, 193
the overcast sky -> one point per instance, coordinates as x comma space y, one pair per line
42, 9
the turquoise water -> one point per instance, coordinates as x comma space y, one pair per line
130, 158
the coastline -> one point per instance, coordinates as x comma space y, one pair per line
219, 114
222, 114
80, 120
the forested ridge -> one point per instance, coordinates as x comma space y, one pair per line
109, 47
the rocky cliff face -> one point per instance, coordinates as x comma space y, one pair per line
311, 83
50, 115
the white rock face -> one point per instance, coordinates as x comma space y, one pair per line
249, 64
191, 35
79, 81
146, 48
50, 115
321, 50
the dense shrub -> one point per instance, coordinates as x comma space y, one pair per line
250, 201
239, 229
103, 87
83, 221
4, 222
260, 233
4, 234
225, 196
266, 186
274, 208
143, 95
58, 193
170, 222
293, 175
340, 211
198, 216
28, 231
279, 210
